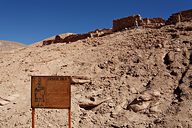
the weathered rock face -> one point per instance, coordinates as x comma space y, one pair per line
180, 17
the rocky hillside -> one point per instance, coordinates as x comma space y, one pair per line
139, 78
8, 45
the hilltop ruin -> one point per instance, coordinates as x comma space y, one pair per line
180, 17
129, 22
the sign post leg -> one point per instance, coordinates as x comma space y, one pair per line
69, 117
33, 117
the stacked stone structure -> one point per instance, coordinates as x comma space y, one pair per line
130, 22
180, 17
127, 22
153, 22
76, 37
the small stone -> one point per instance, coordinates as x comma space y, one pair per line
3, 102
179, 126
177, 49
124, 104
102, 66
50, 125
133, 90
145, 97
137, 107
174, 36
111, 104
158, 46
158, 120
156, 93
154, 109
169, 58
186, 41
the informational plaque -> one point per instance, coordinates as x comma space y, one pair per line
51, 92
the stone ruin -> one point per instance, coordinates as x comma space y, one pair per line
96, 33
127, 22
57, 39
76, 37
130, 22
180, 17
153, 22
136, 21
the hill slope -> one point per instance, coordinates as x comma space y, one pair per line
8, 45
40, 43
136, 78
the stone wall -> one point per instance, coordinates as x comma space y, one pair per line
57, 39
180, 17
130, 22
100, 32
92, 34
76, 37
47, 42
153, 22
127, 22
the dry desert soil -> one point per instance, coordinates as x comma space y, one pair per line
139, 78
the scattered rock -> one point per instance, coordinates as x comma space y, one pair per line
154, 109
186, 41
80, 80
158, 46
3, 102
88, 104
174, 36
133, 90
177, 49
145, 97
77, 81
169, 58
155, 93
140, 107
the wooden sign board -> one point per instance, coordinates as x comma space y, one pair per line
51, 92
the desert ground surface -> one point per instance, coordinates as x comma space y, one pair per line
138, 78
8, 45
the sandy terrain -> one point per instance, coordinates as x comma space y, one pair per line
136, 79
9, 46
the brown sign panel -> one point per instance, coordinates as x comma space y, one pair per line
51, 92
